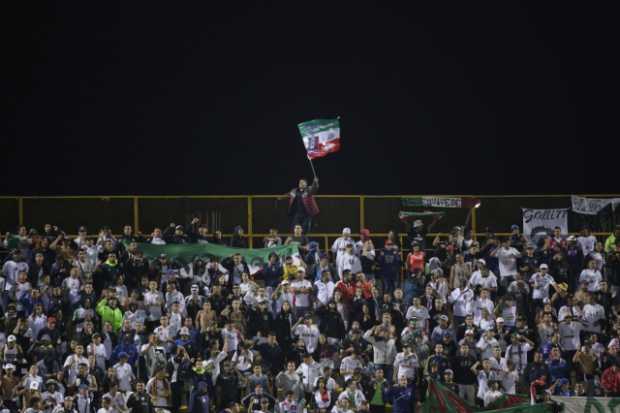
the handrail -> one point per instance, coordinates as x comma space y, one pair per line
260, 196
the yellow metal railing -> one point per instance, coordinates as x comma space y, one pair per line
144, 211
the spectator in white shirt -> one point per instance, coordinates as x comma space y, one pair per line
586, 241
507, 257
540, 282
324, 289
591, 276
483, 277
340, 244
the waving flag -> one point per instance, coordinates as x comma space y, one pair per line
320, 136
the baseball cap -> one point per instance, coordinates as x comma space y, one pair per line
448, 371
545, 266
184, 331
9, 366
514, 226
346, 230
11, 339
301, 269
499, 320
481, 261
443, 317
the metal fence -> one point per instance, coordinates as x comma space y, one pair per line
258, 213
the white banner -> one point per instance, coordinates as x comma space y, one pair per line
589, 404
538, 222
592, 206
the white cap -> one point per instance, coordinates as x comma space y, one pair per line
11, 338
9, 366
184, 331
346, 230
545, 266
499, 320
481, 261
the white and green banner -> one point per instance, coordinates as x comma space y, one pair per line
320, 136
589, 404
440, 202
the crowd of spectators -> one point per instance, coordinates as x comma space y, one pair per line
88, 324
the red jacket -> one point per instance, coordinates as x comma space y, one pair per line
346, 289
611, 380
307, 198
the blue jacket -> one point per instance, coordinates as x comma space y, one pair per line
131, 351
558, 369
402, 398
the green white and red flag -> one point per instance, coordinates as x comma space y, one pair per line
320, 136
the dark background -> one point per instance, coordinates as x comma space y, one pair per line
137, 98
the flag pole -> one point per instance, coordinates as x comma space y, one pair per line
311, 166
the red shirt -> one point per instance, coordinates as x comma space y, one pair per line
611, 380
346, 289
415, 261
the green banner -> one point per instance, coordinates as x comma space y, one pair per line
439, 399
255, 258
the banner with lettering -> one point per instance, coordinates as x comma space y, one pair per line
588, 404
592, 206
440, 202
539, 222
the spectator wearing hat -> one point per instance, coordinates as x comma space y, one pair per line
348, 260
540, 282
339, 245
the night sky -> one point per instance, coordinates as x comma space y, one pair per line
433, 98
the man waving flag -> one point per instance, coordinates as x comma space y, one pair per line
320, 136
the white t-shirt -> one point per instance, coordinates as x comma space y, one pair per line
507, 259
325, 291
461, 301
301, 299
591, 314
309, 335
479, 305
347, 365
540, 285
592, 278
406, 365
587, 244
477, 279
